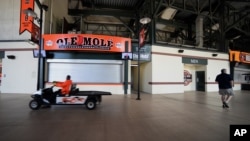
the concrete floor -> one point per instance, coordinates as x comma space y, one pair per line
192, 116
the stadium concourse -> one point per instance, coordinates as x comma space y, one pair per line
186, 116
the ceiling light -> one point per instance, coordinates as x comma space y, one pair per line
145, 20
168, 13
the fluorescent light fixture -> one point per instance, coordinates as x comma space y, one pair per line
168, 13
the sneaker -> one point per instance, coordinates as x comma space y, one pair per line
225, 105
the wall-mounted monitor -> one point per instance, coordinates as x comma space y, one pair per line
36, 53
127, 55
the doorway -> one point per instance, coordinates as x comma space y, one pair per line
200, 81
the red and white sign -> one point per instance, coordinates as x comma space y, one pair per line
142, 37
244, 57
85, 42
26, 21
238, 56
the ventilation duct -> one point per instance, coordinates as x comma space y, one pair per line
199, 31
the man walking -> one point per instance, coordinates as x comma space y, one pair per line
226, 83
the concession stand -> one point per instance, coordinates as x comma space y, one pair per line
93, 61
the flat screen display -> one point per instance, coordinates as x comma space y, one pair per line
36, 53
127, 55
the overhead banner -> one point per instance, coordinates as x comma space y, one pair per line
85, 42
142, 37
238, 56
26, 20
234, 56
244, 57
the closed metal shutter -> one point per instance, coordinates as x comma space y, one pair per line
89, 71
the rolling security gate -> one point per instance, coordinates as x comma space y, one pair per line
87, 71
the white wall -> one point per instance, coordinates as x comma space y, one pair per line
146, 76
213, 69
167, 67
19, 75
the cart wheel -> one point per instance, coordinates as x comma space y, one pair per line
90, 104
34, 105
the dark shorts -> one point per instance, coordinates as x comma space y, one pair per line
226, 91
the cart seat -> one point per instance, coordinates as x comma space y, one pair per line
73, 89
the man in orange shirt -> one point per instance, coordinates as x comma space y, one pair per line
65, 85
